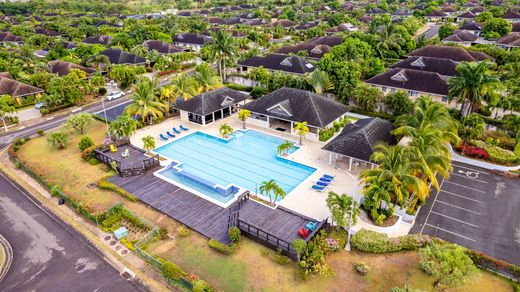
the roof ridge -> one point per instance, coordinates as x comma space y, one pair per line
311, 97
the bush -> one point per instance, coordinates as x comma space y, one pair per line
85, 142
257, 91
88, 153
171, 271
112, 221
55, 190
239, 87
220, 247
472, 151
102, 91
299, 245
127, 243
182, 231
40, 132
234, 234
93, 161
163, 233
106, 185
374, 242
496, 154
201, 286
280, 259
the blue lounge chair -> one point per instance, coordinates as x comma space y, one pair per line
322, 184
176, 131
170, 134
328, 176
325, 180
183, 128
163, 137
311, 225
318, 188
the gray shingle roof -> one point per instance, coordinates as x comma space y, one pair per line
461, 36
280, 62
16, 88
409, 79
117, 56
211, 101
445, 67
298, 106
162, 47
191, 38
63, 68
358, 139
98, 39
453, 53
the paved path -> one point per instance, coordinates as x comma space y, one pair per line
49, 255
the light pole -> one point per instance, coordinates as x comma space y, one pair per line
105, 114
347, 246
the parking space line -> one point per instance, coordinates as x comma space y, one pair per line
454, 219
453, 194
451, 232
480, 191
455, 206
433, 204
471, 178
457, 165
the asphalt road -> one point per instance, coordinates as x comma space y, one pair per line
50, 255
476, 209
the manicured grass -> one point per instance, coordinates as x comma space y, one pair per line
248, 270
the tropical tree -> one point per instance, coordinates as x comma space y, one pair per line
97, 59
283, 149
474, 81
376, 191
301, 130
58, 139
206, 77
123, 126
184, 86
6, 108
473, 126
388, 40
80, 122
225, 130
425, 110
320, 81
271, 189
344, 209
223, 49
243, 115
148, 143
145, 101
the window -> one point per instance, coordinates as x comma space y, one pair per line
393, 90
383, 89
444, 99
412, 93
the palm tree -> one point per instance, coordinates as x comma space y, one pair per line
474, 127
301, 130
388, 39
320, 81
123, 126
97, 59
184, 86
425, 110
222, 49
271, 189
284, 148
145, 101
278, 192
376, 191
341, 208
206, 78
471, 85
243, 115
140, 50
225, 130
148, 143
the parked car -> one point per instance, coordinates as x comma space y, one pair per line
114, 95
39, 105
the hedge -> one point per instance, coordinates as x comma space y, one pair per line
374, 242
104, 184
220, 247
239, 87
501, 267
171, 271
373, 114
496, 154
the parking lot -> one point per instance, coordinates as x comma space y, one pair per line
477, 209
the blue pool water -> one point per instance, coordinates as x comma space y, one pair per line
246, 160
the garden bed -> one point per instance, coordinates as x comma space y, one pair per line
363, 215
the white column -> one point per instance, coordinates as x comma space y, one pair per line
203, 120
350, 164
292, 125
267, 123
330, 158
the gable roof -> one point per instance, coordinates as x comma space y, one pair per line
410, 79
516, 27
63, 68
284, 23
358, 139
467, 15
436, 13
471, 26
117, 56
16, 88
461, 36
342, 27
307, 25
162, 47
299, 106
445, 67
211, 101
280, 62
315, 47
47, 32
9, 37
454, 53
511, 15
191, 38
97, 39
510, 40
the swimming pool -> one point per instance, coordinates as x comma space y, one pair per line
218, 168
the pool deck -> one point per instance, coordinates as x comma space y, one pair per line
205, 217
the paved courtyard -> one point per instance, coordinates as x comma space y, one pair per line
477, 209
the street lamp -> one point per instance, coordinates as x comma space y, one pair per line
105, 114
347, 246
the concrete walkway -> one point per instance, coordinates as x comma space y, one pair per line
482, 164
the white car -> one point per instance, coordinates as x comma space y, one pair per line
115, 95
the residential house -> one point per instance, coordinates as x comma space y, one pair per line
279, 62
466, 16
448, 52
511, 16
98, 39
473, 27
435, 16
306, 26
63, 68
344, 27
118, 56
16, 89
315, 47
191, 41
462, 37
444, 67
8, 37
509, 41
162, 47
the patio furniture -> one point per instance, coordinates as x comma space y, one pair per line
113, 148
170, 134
322, 184
328, 176
176, 131
125, 153
183, 128
163, 137
303, 232
311, 225
326, 180
318, 188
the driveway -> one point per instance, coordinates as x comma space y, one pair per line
48, 254
477, 209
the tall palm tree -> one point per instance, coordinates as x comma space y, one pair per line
123, 126
284, 148
225, 130
243, 115
301, 130
320, 81
206, 78
471, 85
222, 49
145, 101
388, 39
425, 110
184, 86
376, 191
341, 208
97, 59
267, 187
148, 143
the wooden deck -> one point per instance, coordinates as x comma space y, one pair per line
205, 217
135, 159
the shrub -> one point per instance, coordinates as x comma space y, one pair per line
473, 151
299, 245
88, 153
127, 243
313, 259
182, 231
234, 234
85, 142
106, 185
163, 233
93, 161
220, 247
280, 259
517, 149
171, 271
40, 132
374, 242
58, 139
264, 252
448, 263
497, 154
55, 190
362, 268
102, 91
201, 286
111, 221
256, 92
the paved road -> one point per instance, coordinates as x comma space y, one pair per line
50, 255
477, 209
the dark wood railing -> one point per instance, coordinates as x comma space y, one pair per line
124, 171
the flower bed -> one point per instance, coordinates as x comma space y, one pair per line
473, 151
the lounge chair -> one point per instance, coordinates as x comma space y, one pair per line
325, 180
322, 184
183, 128
328, 176
176, 131
303, 232
163, 137
170, 134
311, 225
318, 188
125, 153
